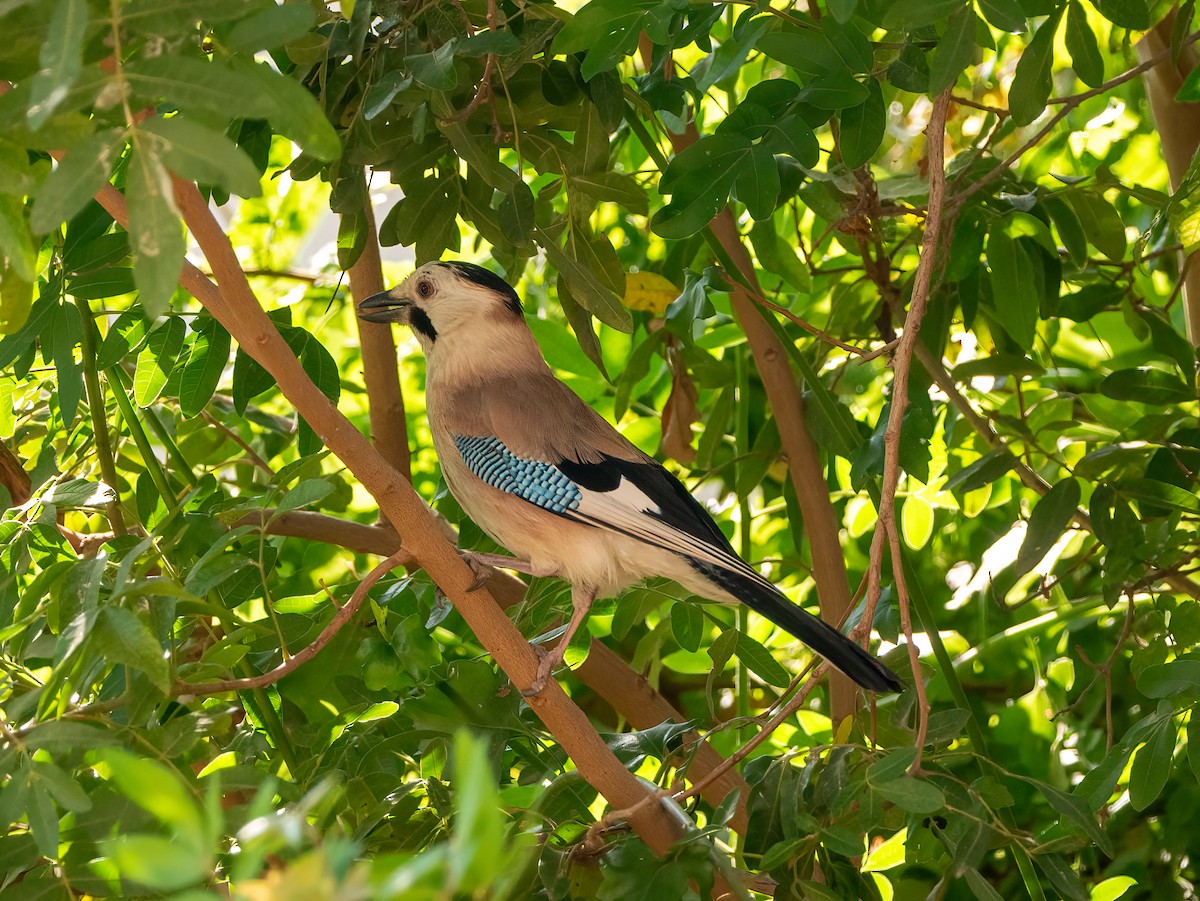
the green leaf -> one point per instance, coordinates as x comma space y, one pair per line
1152, 765
757, 184
1062, 876
1076, 810
43, 821
309, 491
164, 864
101, 283
1081, 44
270, 28
1149, 386
954, 51
863, 127
759, 661
16, 301
1113, 888
1049, 519
292, 111
479, 821
190, 84
61, 59
1153, 493
1013, 294
891, 766
687, 625
153, 787
434, 70
207, 359
1168, 680
608, 31
78, 176
1031, 81
120, 636
516, 213
204, 155
699, 179
1100, 222
585, 287
912, 794
156, 361
1070, 229
1132, 14
908, 15
78, 493
16, 243
1007, 15
155, 229
983, 471
980, 887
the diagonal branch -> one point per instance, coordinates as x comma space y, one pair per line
236, 308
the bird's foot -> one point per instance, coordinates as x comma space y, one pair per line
547, 663
480, 567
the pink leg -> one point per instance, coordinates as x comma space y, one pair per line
581, 602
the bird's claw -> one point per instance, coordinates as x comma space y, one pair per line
546, 665
483, 571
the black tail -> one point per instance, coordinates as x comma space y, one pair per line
765, 599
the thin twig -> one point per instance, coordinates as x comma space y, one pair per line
1068, 104
306, 654
901, 364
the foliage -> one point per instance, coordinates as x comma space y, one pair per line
1048, 502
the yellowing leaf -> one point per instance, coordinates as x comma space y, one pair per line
648, 291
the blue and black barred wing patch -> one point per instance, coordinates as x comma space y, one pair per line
536, 481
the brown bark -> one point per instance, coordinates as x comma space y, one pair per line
13, 476
389, 427
1178, 126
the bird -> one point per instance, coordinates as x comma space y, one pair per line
553, 482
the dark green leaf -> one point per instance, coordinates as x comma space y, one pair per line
908, 15
1167, 680
1081, 44
986, 469
757, 184
206, 362
1100, 222
1152, 765
759, 661
1149, 386
687, 625
1131, 14
1047, 522
863, 127
271, 27
912, 794
1031, 81
954, 51
157, 360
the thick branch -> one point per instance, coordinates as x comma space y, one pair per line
14, 477
803, 458
1178, 125
236, 308
389, 427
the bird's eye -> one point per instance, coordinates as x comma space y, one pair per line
424, 289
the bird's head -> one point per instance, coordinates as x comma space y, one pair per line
441, 299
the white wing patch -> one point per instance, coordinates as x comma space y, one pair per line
630, 510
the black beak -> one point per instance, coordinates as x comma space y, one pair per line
384, 307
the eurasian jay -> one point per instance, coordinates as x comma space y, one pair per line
550, 480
